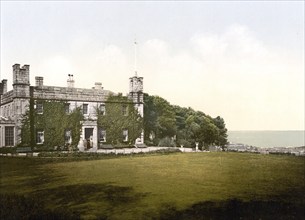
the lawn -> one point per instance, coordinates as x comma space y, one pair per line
175, 186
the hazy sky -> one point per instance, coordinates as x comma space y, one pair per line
242, 60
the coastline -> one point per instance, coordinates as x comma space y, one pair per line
289, 150
268, 139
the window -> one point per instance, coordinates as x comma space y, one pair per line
68, 137
102, 109
39, 108
102, 135
9, 136
125, 110
40, 137
125, 135
85, 109
67, 108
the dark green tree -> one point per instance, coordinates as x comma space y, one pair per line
74, 125
166, 121
209, 131
159, 118
195, 126
222, 138
26, 129
189, 126
150, 117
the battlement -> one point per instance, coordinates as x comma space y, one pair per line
21, 81
3, 87
136, 84
21, 76
72, 94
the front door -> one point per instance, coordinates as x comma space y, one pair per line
89, 137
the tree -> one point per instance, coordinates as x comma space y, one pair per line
120, 115
221, 140
25, 129
184, 120
159, 118
193, 128
209, 131
188, 125
150, 116
166, 122
74, 124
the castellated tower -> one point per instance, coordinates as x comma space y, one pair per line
21, 81
136, 92
136, 88
21, 95
137, 96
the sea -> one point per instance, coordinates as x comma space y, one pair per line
268, 138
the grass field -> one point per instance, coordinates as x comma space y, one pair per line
175, 186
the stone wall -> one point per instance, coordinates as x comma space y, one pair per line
70, 94
7, 97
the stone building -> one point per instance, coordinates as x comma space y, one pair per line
15, 103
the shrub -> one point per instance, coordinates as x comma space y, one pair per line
149, 143
185, 143
167, 142
43, 148
167, 151
8, 150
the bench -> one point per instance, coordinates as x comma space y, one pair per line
23, 150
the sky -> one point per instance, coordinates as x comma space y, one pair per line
241, 60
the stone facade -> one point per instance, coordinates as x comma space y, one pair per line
15, 103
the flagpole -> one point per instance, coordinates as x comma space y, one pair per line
135, 57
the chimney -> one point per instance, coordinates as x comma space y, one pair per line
70, 81
39, 81
98, 86
4, 86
